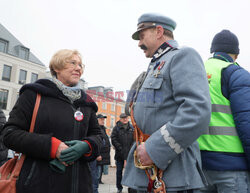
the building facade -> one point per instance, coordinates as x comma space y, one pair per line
18, 66
109, 103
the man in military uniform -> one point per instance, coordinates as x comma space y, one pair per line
171, 103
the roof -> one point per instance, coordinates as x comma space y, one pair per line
14, 45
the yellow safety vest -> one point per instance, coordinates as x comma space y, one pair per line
221, 136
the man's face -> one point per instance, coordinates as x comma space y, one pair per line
148, 41
124, 120
101, 121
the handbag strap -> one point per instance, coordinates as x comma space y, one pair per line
20, 161
33, 121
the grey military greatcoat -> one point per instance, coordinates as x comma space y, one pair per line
173, 106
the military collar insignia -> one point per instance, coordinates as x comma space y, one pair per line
163, 49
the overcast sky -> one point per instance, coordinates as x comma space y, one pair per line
101, 30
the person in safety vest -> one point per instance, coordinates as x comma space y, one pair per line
170, 104
225, 146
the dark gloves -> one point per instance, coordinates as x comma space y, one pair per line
57, 166
76, 149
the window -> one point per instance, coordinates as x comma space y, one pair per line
3, 45
24, 53
22, 77
123, 110
3, 98
6, 72
34, 77
112, 121
113, 107
104, 105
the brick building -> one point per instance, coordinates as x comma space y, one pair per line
109, 103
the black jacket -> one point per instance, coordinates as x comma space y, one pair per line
3, 149
122, 140
105, 150
55, 118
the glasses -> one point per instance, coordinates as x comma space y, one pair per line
74, 64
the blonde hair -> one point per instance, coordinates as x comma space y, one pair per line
60, 58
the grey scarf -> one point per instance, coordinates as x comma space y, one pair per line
73, 93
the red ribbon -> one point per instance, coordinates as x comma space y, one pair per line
150, 185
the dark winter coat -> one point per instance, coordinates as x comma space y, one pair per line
122, 139
3, 149
55, 118
105, 150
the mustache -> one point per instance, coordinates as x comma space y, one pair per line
143, 47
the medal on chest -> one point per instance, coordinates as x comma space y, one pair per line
78, 115
159, 67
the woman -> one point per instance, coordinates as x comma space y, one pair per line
66, 130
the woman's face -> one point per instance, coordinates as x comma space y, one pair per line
72, 71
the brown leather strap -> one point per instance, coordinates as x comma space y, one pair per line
18, 166
141, 137
138, 134
161, 189
20, 161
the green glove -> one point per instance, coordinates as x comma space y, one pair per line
57, 166
74, 152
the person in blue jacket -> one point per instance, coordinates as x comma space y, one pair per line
225, 146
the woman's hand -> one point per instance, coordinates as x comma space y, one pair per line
76, 149
61, 147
